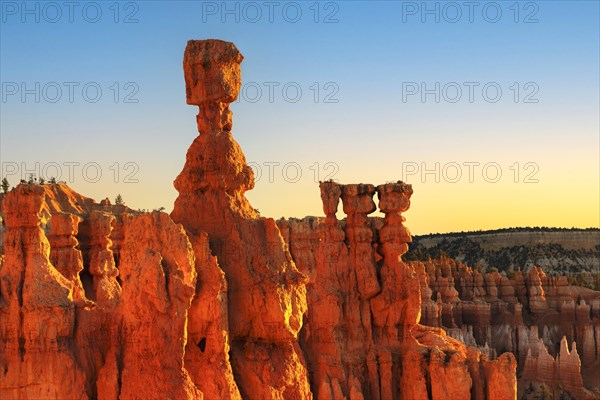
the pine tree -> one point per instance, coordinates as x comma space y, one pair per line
5, 185
119, 200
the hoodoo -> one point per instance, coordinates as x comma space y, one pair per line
213, 301
266, 294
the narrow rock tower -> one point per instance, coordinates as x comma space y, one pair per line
266, 293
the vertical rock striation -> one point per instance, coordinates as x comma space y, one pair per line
37, 308
530, 315
368, 344
266, 294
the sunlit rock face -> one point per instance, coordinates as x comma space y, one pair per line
266, 294
73, 323
361, 335
215, 302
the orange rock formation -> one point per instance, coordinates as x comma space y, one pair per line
361, 335
215, 302
530, 315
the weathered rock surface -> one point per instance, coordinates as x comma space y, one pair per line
361, 335
266, 294
533, 316
64, 338
37, 314
216, 302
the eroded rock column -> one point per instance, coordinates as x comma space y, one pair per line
146, 358
266, 293
358, 203
37, 312
64, 255
106, 289
398, 307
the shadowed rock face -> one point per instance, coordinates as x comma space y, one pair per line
532, 315
215, 302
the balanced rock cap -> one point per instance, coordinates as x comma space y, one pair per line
212, 71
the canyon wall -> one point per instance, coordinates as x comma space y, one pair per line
213, 301
552, 328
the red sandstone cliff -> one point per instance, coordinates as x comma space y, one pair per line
215, 302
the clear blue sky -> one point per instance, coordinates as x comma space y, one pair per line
356, 63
